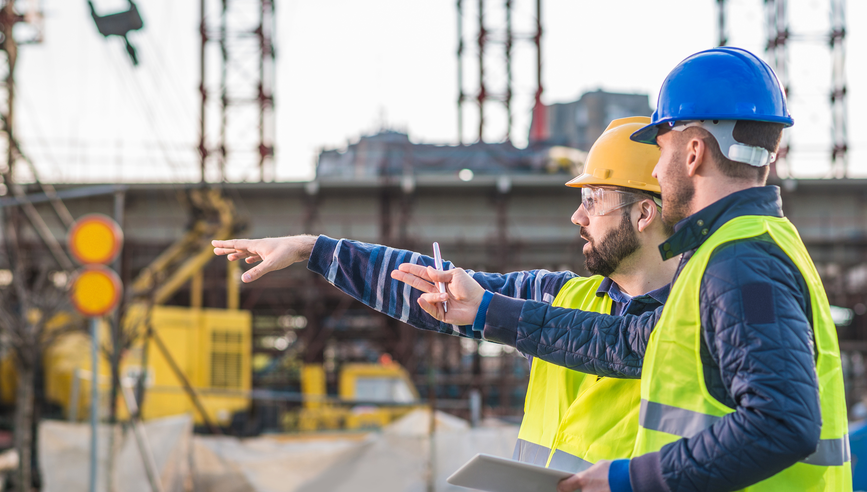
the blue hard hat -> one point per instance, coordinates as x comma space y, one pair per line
718, 84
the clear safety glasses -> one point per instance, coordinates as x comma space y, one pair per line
600, 201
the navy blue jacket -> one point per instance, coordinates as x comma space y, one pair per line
363, 271
757, 352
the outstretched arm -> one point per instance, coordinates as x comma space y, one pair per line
583, 341
360, 270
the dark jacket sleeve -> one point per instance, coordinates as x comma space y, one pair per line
758, 340
611, 346
363, 271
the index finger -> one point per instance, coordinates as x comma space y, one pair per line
413, 269
240, 244
413, 281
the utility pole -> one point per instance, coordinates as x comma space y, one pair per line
203, 92
8, 19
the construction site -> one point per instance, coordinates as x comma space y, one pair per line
205, 383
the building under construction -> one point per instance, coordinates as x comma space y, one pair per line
491, 207
512, 214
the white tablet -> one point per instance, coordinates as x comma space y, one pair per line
495, 474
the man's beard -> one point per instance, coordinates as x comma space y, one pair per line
678, 193
605, 256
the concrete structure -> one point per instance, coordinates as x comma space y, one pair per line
579, 123
391, 153
494, 222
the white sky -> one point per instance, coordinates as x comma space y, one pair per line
346, 67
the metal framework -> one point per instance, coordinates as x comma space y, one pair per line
505, 38
721, 23
10, 20
777, 53
840, 116
236, 134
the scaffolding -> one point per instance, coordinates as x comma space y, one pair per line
236, 134
779, 36
487, 40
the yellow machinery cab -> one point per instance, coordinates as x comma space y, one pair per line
369, 396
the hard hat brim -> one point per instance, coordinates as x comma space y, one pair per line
583, 180
647, 134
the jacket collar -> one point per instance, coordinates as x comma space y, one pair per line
609, 287
692, 231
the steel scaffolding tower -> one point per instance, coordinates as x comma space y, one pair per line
777, 51
840, 116
236, 135
722, 31
505, 38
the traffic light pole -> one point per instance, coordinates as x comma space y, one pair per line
94, 397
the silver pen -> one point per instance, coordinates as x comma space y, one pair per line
438, 261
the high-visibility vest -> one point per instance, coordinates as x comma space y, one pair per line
675, 402
573, 419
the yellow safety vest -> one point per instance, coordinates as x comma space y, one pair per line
675, 402
573, 419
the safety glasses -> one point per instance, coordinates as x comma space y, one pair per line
600, 201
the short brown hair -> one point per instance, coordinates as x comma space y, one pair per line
755, 133
657, 199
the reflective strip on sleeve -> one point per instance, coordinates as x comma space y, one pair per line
831, 452
568, 462
686, 423
386, 258
529, 452
404, 314
673, 420
332, 268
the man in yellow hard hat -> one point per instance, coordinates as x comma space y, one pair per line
571, 419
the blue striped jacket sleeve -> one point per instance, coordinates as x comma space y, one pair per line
362, 271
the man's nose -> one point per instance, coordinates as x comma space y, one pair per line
655, 172
580, 218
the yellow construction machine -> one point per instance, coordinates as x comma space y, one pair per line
189, 359
369, 396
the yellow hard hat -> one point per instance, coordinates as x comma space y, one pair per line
615, 160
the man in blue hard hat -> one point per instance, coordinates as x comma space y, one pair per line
741, 383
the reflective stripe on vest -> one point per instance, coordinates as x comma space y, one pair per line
576, 418
536, 454
686, 423
675, 401
530, 452
561, 460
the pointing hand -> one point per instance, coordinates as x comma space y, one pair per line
274, 253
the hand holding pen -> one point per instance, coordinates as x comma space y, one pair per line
463, 293
438, 261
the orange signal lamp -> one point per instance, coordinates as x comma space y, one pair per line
96, 290
95, 238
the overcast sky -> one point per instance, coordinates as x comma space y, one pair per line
347, 67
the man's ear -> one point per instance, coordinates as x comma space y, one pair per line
696, 152
647, 213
